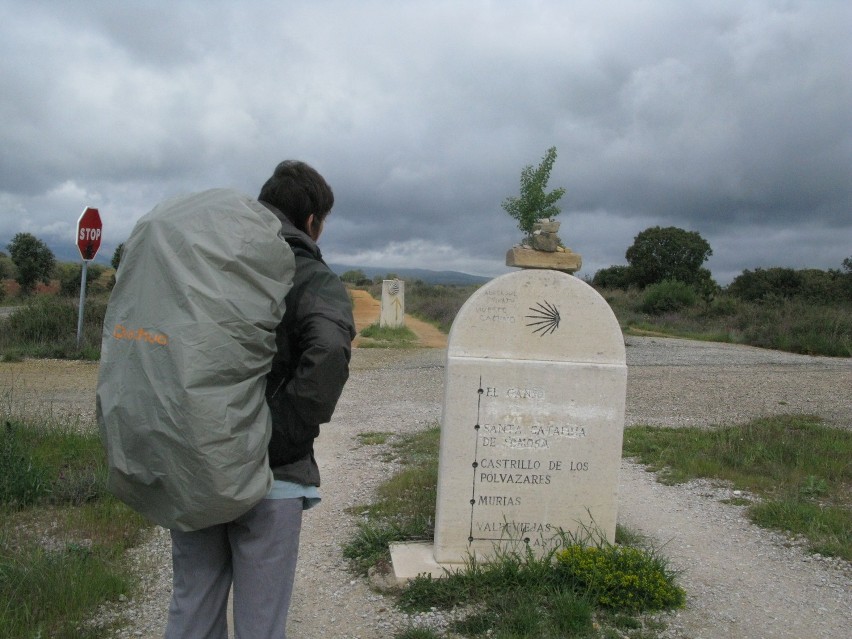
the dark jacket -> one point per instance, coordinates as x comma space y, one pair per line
312, 364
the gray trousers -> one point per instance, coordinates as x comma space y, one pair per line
257, 552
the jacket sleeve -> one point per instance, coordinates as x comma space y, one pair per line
316, 346
324, 342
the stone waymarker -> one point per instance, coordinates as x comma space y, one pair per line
393, 304
532, 422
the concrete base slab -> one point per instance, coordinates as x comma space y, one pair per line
412, 559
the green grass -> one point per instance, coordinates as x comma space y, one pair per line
63, 537
387, 337
519, 594
52, 593
57, 465
798, 467
373, 438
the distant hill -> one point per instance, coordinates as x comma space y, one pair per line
430, 277
69, 253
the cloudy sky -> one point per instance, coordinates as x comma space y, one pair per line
732, 118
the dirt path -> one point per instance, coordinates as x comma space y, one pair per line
367, 311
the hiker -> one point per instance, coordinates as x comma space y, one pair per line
257, 551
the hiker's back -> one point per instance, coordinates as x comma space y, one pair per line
188, 339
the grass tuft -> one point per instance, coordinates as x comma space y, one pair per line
373, 438
23, 480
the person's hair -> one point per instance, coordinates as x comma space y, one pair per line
298, 191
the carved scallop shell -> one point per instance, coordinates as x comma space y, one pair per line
545, 318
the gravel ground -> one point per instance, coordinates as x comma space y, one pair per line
741, 581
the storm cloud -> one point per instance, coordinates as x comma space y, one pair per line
729, 118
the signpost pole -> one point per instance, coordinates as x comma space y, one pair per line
82, 302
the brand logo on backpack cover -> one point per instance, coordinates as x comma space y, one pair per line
139, 335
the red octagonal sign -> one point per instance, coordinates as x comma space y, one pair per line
89, 233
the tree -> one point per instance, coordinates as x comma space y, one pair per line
33, 259
670, 253
534, 204
356, 277
116, 256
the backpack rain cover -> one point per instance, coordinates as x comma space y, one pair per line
188, 339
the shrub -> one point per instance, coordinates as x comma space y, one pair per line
69, 279
813, 285
70, 276
758, 284
666, 297
612, 277
824, 287
722, 307
622, 577
47, 327
4, 273
43, 319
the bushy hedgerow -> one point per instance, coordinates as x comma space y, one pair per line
811, 285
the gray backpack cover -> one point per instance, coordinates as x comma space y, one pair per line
188, 339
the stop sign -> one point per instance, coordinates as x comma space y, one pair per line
89, 233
